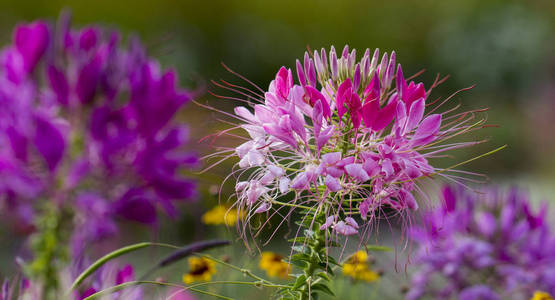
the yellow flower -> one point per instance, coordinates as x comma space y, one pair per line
221, 215
358, 268
274, 265
539, 295
200, 269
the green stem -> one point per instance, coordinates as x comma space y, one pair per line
312, 257
49, 245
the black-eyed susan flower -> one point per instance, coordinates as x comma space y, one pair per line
274, 265
358, 267
200, 269
221, 215
539, 295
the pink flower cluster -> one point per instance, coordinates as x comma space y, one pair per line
343, 139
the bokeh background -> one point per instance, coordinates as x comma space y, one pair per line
506, 48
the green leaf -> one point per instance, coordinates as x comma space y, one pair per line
324, 276
299, 263
323, 288
378, 248
299, 282
300, 257
298, 248
299, 240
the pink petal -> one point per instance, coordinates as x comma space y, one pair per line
332, 183
372, 91
344, 229
356, 171
284, 185
401, 83
351, 222
385, 116
369, 112
427, 129
331, 158
328, 223
244, 113
264, 207
344, 92
415, 115
282, 82
316, 96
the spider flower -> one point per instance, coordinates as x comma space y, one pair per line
489, 246
86, 120
348, 138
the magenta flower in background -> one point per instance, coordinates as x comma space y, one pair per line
89, 123
483, 246
351, 138
111, 275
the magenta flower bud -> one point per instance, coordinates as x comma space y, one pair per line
321, 68
31, 41
351, 61
324, 58
59, 84
333, 64
345, 53
365, 68
401, 84
390, 72
300, 73
49, 142
311, 73
356, 78
375, 58
383, 65
307, 61
88, 38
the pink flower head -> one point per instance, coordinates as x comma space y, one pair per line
347, 130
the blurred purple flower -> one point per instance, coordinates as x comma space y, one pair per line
490, 246
89, 123
108, 276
